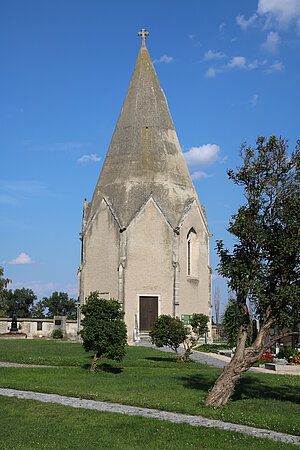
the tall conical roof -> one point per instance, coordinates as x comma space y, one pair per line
144, 157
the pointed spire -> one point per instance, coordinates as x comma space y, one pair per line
144, 157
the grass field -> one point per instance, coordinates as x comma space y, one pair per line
33, 425
150, 378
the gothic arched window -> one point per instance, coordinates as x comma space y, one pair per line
191, 253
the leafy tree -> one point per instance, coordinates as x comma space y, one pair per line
103, 329
20, 302
170, 332
197, 330
263, 267
38, 310
59, 304
3, 285
232, 321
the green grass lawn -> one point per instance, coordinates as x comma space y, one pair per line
30, 424
152, 379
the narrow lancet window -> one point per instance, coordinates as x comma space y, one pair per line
191, 252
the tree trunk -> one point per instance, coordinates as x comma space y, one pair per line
243, 359
225, 384
94, 363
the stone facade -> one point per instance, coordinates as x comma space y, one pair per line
145, 238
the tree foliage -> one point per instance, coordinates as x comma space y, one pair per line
197, 330
3, 285
59, 304
103, 328
263, 268
19, 302
171, 332
38, 310
232, 321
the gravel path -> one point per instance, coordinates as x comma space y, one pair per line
16, 365
220, 361
196, 421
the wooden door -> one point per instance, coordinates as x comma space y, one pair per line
148, 312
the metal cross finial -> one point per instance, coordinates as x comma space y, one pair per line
143, 34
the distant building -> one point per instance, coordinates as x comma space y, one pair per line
145, 238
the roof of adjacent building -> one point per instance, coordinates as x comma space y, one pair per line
144, 157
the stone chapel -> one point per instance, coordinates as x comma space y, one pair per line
145, 238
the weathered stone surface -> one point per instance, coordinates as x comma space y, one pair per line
144, 156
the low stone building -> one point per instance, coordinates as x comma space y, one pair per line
42, 328
145, 237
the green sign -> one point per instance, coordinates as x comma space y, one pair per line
186, 319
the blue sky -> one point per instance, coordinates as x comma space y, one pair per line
230, 72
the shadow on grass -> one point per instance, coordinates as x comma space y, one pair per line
199, 382
108, 368
104, 367
248, 388
252, 388
161, 359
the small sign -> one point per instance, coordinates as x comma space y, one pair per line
186, 319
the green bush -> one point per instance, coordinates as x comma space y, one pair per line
286, 352
57, 334
169, 331
103, 328
212, 348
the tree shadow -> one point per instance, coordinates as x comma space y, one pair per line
248, 388
85, 366
161, 359
199, 382
108, 368
252, 388
104, 367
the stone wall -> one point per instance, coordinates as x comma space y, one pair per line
39, 328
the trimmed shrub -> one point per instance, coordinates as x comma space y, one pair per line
57, 334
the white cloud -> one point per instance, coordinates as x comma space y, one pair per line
254, 100
214, 55
164, 59
221, 26
282, 12
211, 72
202, 156
253, 65
88, 158
199, 174
271, 43
277, 66
23, 258
245, 23
237, 62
